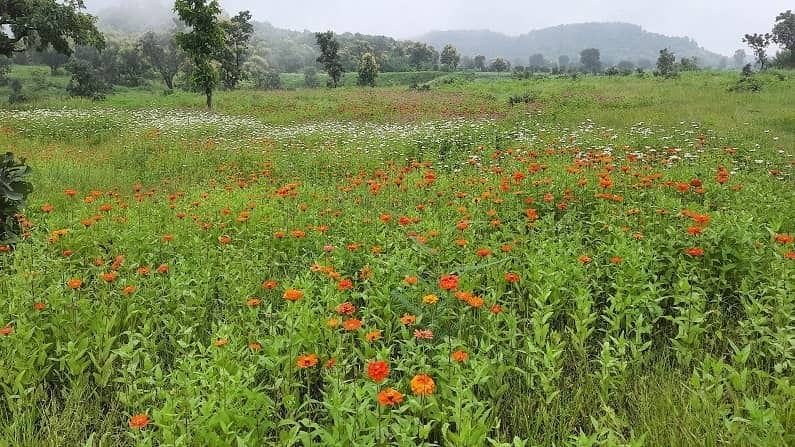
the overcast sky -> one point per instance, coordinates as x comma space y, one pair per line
717, 25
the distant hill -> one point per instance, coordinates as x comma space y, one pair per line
616, 42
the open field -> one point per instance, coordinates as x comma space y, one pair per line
609, 262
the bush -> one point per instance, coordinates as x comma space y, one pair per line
16, 95
5, 67
310, 77
527, 98
14, 191
747, 81
86, 81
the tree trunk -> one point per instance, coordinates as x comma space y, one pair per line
169, 80
209, 93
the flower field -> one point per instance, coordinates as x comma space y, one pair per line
518, 278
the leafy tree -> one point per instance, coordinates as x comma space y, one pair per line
739, 58
536, 62
162, 52
421, 54
264, 76
499, 65
784, 35
480, 63
688, 63
45, 23
450, 57
133, 68
368, 70
666, 64
329, 57
14, 190
310, 77
16, 92
625, 67
563, 62
5, 67
204, 40
759, 44
238, 30
52, 59
87, 81
352, 54
589, 58
784, 30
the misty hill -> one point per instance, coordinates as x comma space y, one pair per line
616, 42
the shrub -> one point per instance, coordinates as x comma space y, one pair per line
14, 191
16, 95
86, 81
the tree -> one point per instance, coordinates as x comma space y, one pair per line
499, 65
5, 67
759, 44
421, 54
589, 58
329, 57
204, 40
784, 35
563, 62
46, 23
52, 59
739, 58
784, 31
162, 52
132, 67
536, 62
238, 32
688, 63
666, 64
450, 57
625, 67
368, 70
480, 63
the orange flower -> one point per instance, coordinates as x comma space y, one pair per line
39, 306
694, 231
332, 322
330, 363
448, 282
430, 299
47, 208
253, 302
373, 335
269, 284
408, 320
790, 255
6, 331
390, 397
378, 371
423, 334
616, 260
110, 276
143, 270
483, 252
695, 251
128, 290
293, 295
459, 356
306, 361
422, 385
224, 239
163, 268
511, 277
495, 309
352, 325
784, 238
345, 284
410, 280
346, 308
256, 347
74, 283
221, 342
139, 421
584, 259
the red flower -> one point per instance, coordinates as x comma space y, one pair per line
448, 282
378, 371
139, 421
512, 277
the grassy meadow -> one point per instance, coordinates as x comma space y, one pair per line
599, 261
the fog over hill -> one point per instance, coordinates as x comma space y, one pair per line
616, 42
